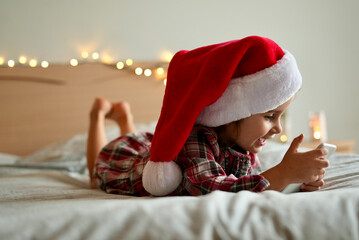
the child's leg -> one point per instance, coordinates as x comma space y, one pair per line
101, 109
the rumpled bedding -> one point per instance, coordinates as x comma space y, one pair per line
46, 195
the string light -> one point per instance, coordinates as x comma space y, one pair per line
129, 62
317, 135
283, 138
44, 64
165, 81
167, 56
85, 55
120, 65
33, 63
74, 62
95, 56
106, 59
138, 71
147, 72
11, 63
22, 59
159, 71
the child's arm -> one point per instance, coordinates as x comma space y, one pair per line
298, 167
204, 175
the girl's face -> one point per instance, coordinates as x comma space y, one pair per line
251, 133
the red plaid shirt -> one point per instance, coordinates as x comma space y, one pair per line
207, 165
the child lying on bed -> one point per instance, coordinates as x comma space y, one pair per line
222, 102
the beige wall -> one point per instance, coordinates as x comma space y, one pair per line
322, 34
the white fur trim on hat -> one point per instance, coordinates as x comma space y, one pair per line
255, 93
161, 178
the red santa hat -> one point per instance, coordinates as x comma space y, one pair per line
215, 85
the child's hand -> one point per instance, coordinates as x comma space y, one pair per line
307, 167
312, 186
298, 167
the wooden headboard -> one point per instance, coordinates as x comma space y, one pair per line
41, 106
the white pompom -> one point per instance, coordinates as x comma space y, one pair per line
161, 178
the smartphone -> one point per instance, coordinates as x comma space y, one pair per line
295, 187
330, 147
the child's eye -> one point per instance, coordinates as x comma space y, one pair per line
270, 117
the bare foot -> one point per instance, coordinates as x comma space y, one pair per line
121, 113
100, 108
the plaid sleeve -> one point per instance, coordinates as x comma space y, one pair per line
203, 174
206, 175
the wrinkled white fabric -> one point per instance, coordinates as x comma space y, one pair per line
40, 201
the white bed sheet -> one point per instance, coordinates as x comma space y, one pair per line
47, 196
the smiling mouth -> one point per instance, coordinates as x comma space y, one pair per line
262, 141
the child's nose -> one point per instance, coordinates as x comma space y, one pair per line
277, 128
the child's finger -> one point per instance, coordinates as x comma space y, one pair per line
308, 188
296, 143
312, 186
316, 153
322, 173
322, 163
318, 183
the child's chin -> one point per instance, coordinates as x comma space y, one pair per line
257, 149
